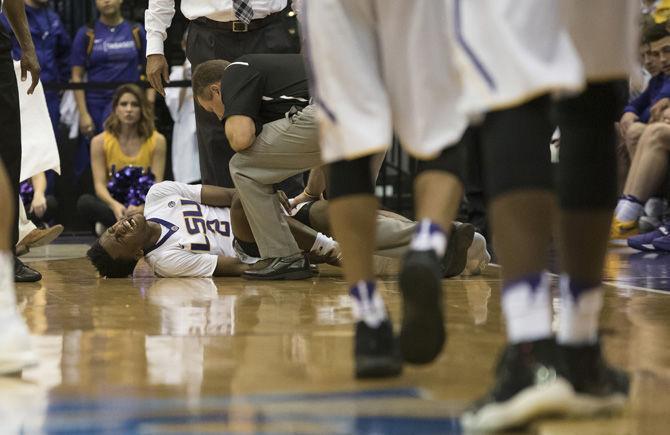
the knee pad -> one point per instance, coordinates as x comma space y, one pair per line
350, 177
587, 169
515, 149
451, 160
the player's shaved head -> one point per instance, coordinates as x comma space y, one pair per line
206, 74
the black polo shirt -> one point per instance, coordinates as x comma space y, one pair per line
264, 87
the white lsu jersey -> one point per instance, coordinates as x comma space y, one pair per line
193, 234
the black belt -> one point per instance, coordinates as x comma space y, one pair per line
239, 26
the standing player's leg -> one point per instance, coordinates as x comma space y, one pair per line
587, 194
15, 350
355, 123
438, 189
587, 187
522, 205
429, 127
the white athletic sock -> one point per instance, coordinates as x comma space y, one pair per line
629, 209
579, 313
527, 308
325, 246
429, 236
368, 304
7, 296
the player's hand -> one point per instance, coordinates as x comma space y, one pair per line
119, 210
86, 125
157, 72
29, 63
303, 197
39, 205
658, 108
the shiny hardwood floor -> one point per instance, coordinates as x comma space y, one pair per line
157, 356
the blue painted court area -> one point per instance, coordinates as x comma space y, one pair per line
337, 413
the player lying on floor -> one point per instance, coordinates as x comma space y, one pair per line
200, 231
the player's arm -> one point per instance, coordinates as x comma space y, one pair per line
217, 196
229, 266
15, 12
240, 131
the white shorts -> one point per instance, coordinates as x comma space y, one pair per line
606, 35
511, 51
379, 66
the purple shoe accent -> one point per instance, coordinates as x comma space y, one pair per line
662, 243
644, 242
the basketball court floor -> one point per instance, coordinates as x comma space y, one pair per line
170, 356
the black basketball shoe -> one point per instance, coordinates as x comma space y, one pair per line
599, 388
422, 334
530, 383
376, 351
456, 256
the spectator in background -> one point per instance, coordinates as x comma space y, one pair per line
109, 50
185, 160
52, 45
129, 140
34, 229
225, 30
638, 112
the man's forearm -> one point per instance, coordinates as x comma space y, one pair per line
16, 15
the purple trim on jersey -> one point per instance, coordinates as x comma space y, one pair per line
471, 54
171, 230
309, 66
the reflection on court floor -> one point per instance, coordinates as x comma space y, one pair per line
158, 356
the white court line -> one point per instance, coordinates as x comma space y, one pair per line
634, 287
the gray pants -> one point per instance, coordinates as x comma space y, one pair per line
283, 149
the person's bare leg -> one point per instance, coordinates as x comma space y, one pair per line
522, 223
587, 193
646, 174
438, 195
522, 207
633, 137
353, 221
652, 164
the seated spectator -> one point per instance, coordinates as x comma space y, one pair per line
34, 228
647, 172
639, 111
129, 141
185, 157
41, 207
